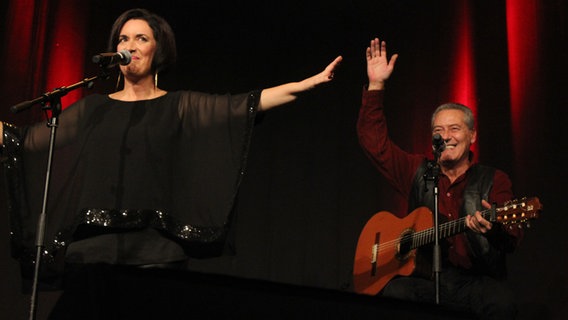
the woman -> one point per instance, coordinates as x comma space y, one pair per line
150, 176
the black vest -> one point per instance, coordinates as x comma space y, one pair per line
486, 259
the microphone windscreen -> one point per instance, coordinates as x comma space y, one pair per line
126, 57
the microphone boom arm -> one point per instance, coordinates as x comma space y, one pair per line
56, 93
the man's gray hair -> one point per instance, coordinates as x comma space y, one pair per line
468, 114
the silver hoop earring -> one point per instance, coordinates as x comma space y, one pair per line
118, 80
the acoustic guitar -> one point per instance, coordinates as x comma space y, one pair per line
387, 244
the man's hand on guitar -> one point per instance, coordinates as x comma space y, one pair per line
476, 222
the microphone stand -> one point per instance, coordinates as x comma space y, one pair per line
432, 174
49, 101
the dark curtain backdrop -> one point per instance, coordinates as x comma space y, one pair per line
309, 188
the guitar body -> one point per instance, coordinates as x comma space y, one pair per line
387, 245
383, 249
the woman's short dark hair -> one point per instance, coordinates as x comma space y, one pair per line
166, 51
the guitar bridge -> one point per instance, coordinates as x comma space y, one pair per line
375, 254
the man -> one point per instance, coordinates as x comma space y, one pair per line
473, 264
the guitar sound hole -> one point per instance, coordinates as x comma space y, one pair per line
405, 245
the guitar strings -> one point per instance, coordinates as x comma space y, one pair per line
424, 236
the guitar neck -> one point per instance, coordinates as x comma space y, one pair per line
447, 229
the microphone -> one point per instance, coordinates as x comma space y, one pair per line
110, 59
438, 143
